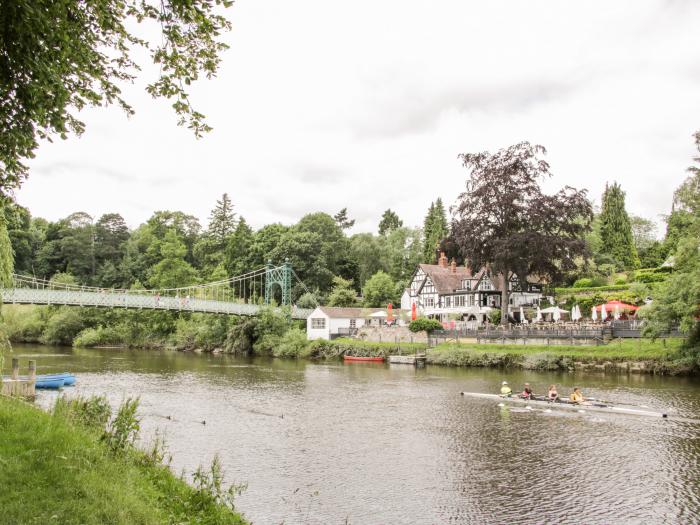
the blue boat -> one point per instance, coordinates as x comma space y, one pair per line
68, 378
50, 383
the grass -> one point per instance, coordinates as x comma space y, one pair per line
54, 471
662, 353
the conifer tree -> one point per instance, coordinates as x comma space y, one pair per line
238, 249
222, 221
615, 228
342, 219
434, 230
390, 222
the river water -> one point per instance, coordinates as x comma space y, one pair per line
325, 443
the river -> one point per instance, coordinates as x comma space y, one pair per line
328, 443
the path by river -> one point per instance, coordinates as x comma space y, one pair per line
325, 443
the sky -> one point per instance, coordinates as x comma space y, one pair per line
321, 105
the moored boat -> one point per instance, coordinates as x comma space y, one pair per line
366, 359
49, 383
68, 378
566, 405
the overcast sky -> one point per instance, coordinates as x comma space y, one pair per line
322, 104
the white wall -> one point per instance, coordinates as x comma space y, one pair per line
317, 333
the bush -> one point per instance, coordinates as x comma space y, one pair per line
63, 326
423, 324
620, 279
93, 413
292, 344
91, 337
585, 282
241, 336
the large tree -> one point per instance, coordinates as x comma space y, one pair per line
435, 230
390, 221
57, 58
616, 236
505, 222
678, 302
342, 219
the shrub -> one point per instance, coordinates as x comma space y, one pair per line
585, 282
241, 336
91, 337
423, 324
123, 430
292, 344
62, 327
92, 413
620, 279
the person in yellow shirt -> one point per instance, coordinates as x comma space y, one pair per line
576, 396
505, 389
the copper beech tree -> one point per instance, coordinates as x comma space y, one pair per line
504, 221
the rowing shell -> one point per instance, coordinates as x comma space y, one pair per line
570, 406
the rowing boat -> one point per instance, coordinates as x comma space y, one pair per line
593, 407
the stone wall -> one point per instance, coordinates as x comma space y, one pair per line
391, 334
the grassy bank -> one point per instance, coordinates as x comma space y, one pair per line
660, 356
54, 470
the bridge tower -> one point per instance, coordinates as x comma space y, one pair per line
281, 275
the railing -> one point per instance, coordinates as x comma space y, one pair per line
83, 296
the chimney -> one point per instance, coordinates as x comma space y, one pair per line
453, 265
442, 262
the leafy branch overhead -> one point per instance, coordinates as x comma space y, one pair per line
58, 57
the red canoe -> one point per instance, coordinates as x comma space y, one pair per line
356, 358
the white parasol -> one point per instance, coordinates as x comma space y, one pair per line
594, 314
603, 313
522, 315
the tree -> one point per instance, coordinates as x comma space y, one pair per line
505, 222
6, 261
173, 271
379, 290
434, 230
238, 248
341, 218
342, 293
57, 58
615, 228
390, 221
222, 222
678, 301
423, 324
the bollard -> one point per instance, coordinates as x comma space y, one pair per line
15, 369
32, 371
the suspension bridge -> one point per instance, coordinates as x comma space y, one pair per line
245, 294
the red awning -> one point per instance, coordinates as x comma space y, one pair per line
623, 307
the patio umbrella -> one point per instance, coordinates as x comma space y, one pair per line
574, 314
413, 312
556, 315
538, 317
616, 314
390, 311
522, 315
594, 314
603, 313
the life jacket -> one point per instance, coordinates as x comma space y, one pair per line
505, 390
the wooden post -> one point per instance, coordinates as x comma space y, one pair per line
15, 369
32, 371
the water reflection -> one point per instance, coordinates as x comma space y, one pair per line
369, 443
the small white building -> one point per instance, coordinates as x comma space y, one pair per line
328, 322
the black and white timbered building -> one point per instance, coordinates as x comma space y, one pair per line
447, 292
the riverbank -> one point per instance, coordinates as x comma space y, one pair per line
627, 355
55, 470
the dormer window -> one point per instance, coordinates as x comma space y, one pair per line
466, 284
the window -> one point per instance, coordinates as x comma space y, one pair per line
429, 301
466, 284
353, 323
486, 284
459, 300
318, 324
448, 302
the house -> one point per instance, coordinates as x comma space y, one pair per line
446, 291
327, 322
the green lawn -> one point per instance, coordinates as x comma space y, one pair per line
553, 356
52, 471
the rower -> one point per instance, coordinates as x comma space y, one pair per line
505, 389
576, 396
527, 392
552, 394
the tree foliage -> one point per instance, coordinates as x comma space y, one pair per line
390, 222
379, 290
616, 236
342, 293
435, 230
342, 219
423, 324
57, 58
505, 222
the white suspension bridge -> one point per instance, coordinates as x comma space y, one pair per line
245, 294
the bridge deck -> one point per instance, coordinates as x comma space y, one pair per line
111, 299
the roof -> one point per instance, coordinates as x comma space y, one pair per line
445, 281
347, 313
